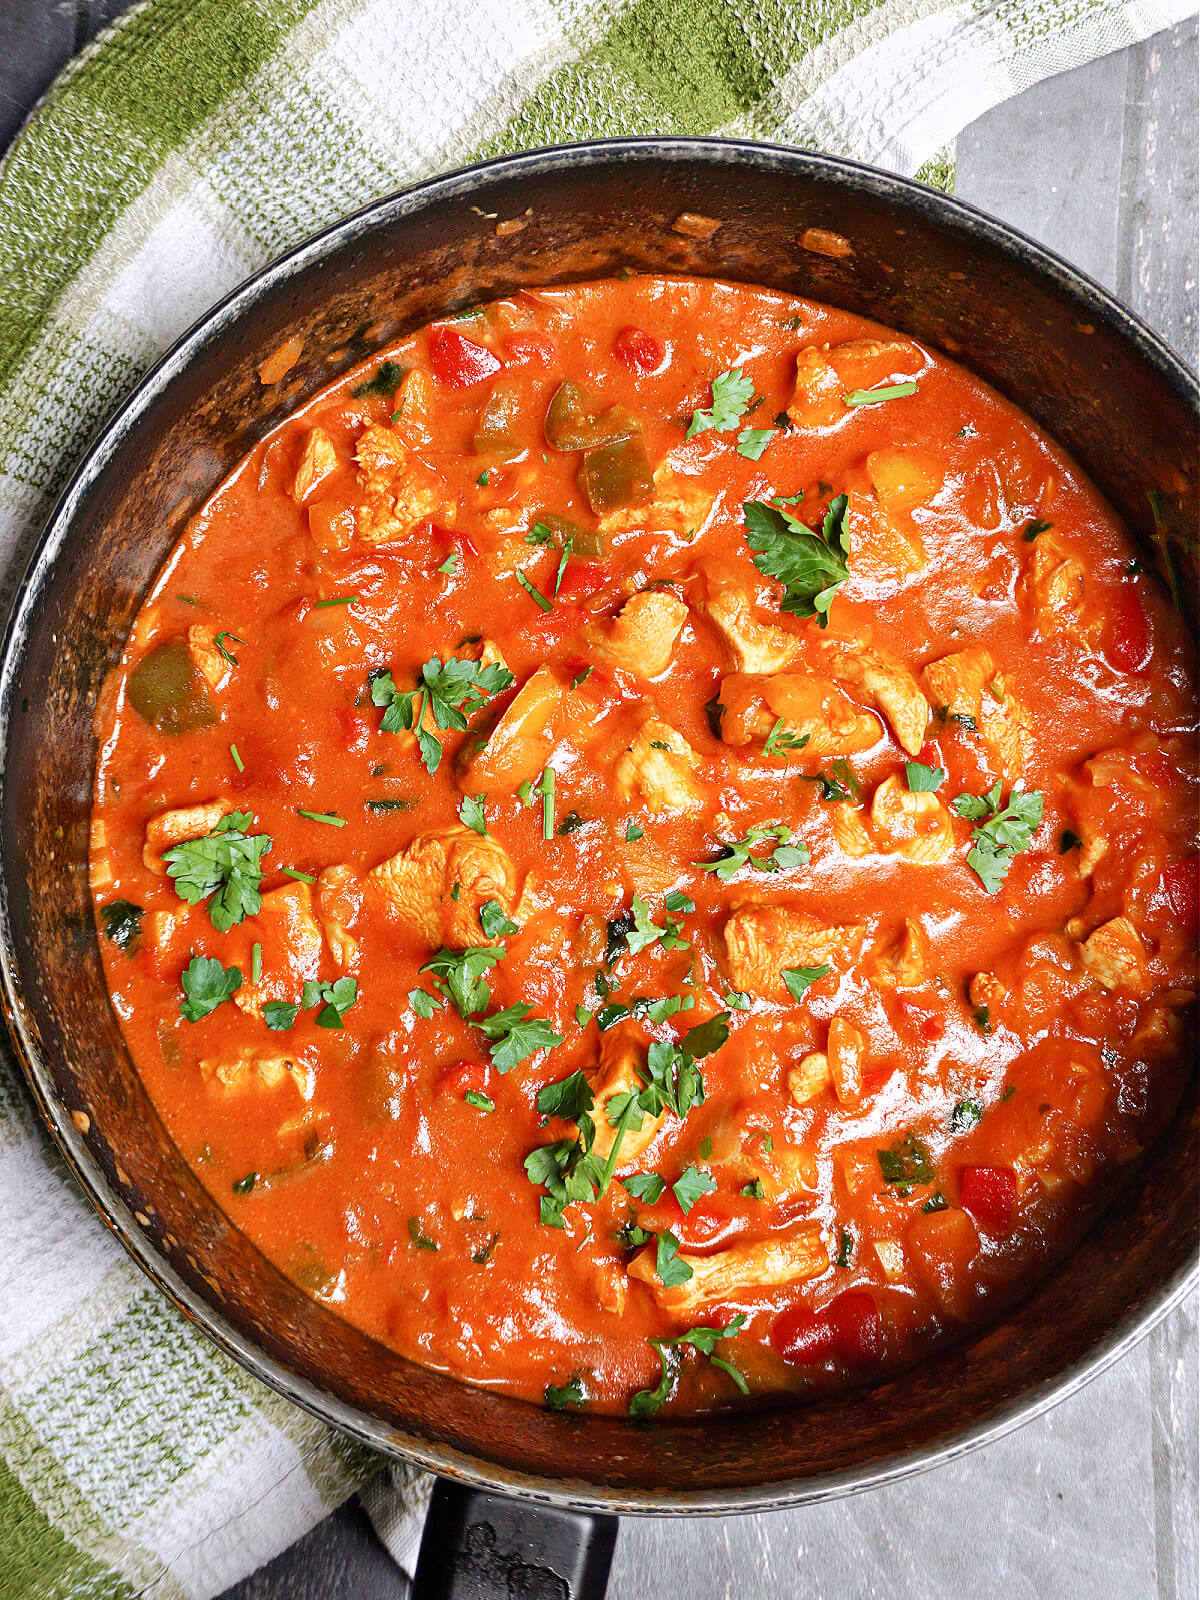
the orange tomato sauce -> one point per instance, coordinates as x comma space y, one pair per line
918, 1078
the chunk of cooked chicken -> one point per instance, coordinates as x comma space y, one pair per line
986, 993
738, 1269
846, 1050
291, 942
915, 826
810, 707
173, 827
902, 478
760, 940
1054, 582
826, 373
418, 884
247, 1068
519, 745
890, 1255
621, 1070
754, 646
410, 404
903, 962
883, 550
339, 897
641, 637
202, 647
942, 1245
967, 687
398, 491
890, 686
1115, 955
318, 461
809, 1077
658, 768
680, 506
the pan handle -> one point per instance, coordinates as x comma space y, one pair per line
483, 1546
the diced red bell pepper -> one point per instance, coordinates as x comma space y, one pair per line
990, 1195
457, 362
1129, 640
639, 351
849, 1330
463, 1075
857, 1328
1182, 884
707, 1217
927, 1025
529, 349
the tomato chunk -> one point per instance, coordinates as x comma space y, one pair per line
990, 1195
1129, 643
582, 579
639, 351
463, 1075
457, 362
849, 1330
1182, 884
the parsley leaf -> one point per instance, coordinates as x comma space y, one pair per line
458, 974
755, 1190
647, 1186
471, 814
494, 923
923, 779
568, 1098
123, 925
690, 1186
967, 1114
704, 1340
206, 985
516, 1035
839, 783
784, 852
567, 1394
751, 442
782, 738
671, 1270
421, 1002
226, 864
810, 565
798, 979
731, 395
450, 691
280, 1015
906, 1163
999, 834
338, 996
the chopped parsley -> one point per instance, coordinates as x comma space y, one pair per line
633, 833
647, 1186
731, 395
226, 865
966, 1114
906, 1163
839, 783
569, 1098
471, 814
244, 1185
450, 691
690, 1186
385, 381
798, 979
782, 738
1069, 841
983, 1020
418, 1236
569, 823
228, 654
810, 565
567, 1394
534, 594
754, 1190
335, 999
514, 1035
647, 1401
328, 817
783, 853
845, 1253
923, 779
206, 985
751, 442
123, 925
479, 1101
999, 834
493, 922
1034, 529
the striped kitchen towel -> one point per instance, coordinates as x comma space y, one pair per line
194, 141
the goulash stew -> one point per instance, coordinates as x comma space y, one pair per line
645, 847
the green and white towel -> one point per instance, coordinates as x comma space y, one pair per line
193, 142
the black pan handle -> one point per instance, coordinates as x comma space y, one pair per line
483, 1546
